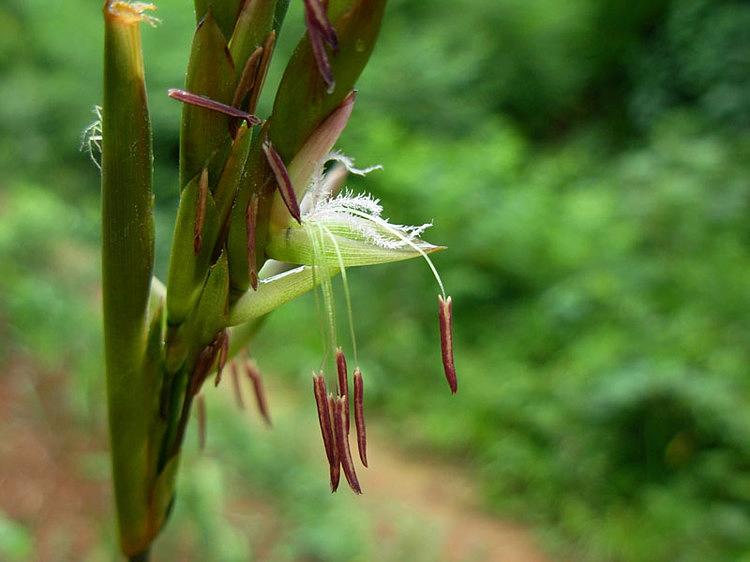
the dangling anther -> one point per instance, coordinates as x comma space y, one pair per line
237, 386
201, 413
222, 344
324, 418
342, 444
260, 396
260, 75
247, 78
200, 212
343, 380
282, 180
446, 341
335, 466
359, 416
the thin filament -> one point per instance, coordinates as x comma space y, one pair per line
345, 283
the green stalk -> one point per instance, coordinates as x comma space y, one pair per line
127, 263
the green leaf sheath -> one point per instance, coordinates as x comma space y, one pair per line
127, 263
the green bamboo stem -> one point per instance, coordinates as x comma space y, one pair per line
127, 263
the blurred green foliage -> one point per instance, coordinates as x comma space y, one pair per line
587, 164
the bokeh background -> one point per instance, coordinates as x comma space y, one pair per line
588, 165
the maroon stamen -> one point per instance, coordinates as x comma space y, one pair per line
201, 412
222, 342
283, 181
248, 77
200, 212
342, 443
343, 381
213, 105
314, 33
236, 386
318, 17
324, 418
260, 76
335, 466
446, 341
359, 415
251, 215
260, 396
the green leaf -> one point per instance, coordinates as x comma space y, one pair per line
205, 136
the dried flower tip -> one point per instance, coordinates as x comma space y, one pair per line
343, 379
324, 418
251, 216
236, 386
316, 37
222, 345
335, 466
342, 443
207, 103
282, 180
446, 341
132, 12
359, 415
319, 19
200, 212
253, 374
201, 412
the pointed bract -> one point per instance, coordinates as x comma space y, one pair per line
282, 180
